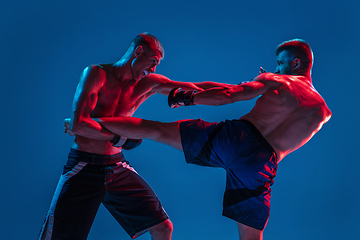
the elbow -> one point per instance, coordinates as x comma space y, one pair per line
328, 115
78, 126
323, 117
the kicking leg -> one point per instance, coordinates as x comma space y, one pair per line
249, 233
130, 127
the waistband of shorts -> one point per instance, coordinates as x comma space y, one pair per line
96, 159
258, 134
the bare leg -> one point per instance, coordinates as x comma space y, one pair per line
249, 233
161, 231
130, 127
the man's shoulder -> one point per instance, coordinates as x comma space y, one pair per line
271, 80
103, 70
282, 78
93, 68
154, 77
100, 68
94, 74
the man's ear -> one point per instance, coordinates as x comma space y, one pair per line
138, 51
296, 63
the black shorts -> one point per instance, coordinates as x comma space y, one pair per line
249, 161
91, 179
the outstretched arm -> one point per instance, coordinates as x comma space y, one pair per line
226, 94
163, 85
208, 85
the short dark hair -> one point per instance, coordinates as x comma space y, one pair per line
148, 41
298, 48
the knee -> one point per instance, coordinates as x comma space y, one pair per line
165, 228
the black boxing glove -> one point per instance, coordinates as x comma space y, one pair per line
118, 141
177, 98
131, 144
125, 143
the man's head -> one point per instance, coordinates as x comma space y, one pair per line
148, 42
294, 57
146, 53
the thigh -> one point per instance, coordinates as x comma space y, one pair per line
75, 202
132, 201
166, 133
200, 142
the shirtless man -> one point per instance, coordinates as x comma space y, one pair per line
287, 114
96, 171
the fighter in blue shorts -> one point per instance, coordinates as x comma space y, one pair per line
287, 114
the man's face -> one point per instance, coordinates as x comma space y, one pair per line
284, 61
145, 63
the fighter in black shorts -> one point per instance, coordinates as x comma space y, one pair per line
114, 89
91, 179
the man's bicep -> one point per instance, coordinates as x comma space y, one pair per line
86, 93
155, 82
165, 85
247, 91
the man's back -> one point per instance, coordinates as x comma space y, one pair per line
288, 115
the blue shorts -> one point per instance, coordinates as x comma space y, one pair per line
90, 179
249, 161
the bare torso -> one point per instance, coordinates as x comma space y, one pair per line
289, 115
117, 98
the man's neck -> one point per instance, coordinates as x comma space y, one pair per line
122, 70
307, 75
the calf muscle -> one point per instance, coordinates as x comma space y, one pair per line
130, 127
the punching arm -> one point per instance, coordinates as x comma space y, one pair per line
223, 95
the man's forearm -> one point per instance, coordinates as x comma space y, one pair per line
213, 97
130, 127
92, 129
208, 85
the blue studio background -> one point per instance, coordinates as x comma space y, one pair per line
46, 44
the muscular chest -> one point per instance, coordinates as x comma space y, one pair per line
119, 99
